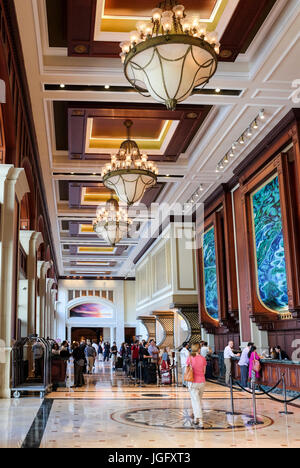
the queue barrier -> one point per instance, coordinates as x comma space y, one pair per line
255, 421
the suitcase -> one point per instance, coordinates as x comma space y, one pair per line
150, 376
119, 363
166, 377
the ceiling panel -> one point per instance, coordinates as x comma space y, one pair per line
143, 8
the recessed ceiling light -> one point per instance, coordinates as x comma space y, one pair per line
107, 86
218, 90
62, 85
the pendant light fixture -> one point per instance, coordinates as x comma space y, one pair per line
130, 173
171, 55
112, 222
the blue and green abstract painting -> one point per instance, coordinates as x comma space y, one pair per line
210, 274
270, 257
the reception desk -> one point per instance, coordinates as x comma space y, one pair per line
272, 371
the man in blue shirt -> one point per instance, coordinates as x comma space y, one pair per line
244, 365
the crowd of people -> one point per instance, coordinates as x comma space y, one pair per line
140, 360
145, 361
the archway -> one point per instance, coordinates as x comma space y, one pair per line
90, 317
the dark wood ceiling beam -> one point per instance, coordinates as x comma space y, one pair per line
246, 21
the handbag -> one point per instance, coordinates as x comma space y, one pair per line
256, 365
189, 374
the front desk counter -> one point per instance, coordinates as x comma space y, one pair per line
272, 371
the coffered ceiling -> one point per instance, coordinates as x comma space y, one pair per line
75, 43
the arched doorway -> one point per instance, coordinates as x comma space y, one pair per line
90, 318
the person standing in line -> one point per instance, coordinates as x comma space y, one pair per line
114, 353
82, 346
100, 351
205, 350
90, 355
244, 365
106, 351
154, 353
228, 355
122, 353
197, 387
78, 357
95, 346
254, 366
184, 355
135, 354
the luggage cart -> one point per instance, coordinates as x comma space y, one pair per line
31, 356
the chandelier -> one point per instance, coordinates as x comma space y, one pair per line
130, 173
171, 55
112, 222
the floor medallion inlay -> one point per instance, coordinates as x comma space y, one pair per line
181, 419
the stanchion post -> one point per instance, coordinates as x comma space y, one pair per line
285, 399
254, 421
231, 397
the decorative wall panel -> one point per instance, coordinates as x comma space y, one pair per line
210, 274
150, 324
166, 320
91, 311
269, 247
191, 315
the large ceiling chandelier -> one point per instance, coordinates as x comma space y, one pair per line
168, 57
112, 222
130, 173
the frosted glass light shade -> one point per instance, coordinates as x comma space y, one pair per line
112, 231
130, 185
169, 70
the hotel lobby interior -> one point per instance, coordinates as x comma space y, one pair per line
149, 202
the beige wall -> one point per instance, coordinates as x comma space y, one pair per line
168, 272
129, 303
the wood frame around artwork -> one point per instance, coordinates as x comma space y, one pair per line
213, 221
255, 308
218, 213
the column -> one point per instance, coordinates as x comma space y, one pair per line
31, 240
13, 186
150, 323
23, 306
166, 319
112, 335
43, 268
49, 284
52, 313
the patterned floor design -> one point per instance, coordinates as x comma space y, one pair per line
110, 412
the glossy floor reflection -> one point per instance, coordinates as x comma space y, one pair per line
111, 412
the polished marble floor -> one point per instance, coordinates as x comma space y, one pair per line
111, 412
